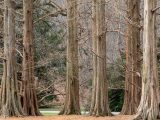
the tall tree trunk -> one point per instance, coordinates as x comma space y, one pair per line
1, 25
29, 100
133, 80
149, 107
99, 103
10, 99
71, 105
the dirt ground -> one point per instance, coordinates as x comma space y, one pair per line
71, 118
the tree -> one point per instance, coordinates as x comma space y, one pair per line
133, 65
10, 99
71, 105
29, 99
99, 102
1, 24
149, 104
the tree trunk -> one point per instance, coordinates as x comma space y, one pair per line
133, 80
149, 107
71, 105
29, 100
99, 103
10, 99
1, 26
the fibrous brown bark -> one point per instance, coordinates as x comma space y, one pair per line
149, 107
133, 65
71, 105
1, 23
9, 99
29, 99
99, 103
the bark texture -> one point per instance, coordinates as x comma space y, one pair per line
71, 105
133, 65
29, 99
149, 107
1, 25
9, 99
99, 102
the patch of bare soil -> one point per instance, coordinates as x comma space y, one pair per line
72, 117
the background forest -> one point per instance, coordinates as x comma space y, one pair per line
122, 25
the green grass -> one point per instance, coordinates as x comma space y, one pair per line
48, 114
52, 111
48, 111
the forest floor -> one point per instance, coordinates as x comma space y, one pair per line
72, 117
